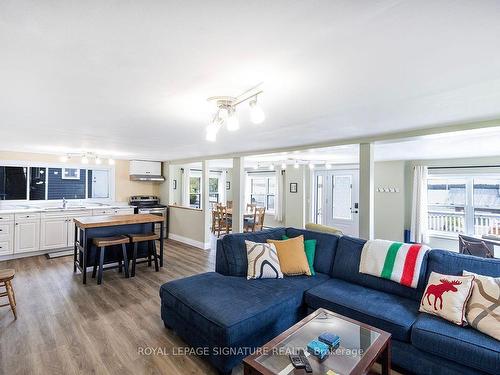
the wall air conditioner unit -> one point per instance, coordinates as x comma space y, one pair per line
140, 170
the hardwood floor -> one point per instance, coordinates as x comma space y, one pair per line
64, 327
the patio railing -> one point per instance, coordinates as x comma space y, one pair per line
484, 223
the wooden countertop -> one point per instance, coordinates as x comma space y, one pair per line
109, 221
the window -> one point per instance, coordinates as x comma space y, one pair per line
262, 191
60, 187
468, 204
13, 183
70, 174
213, 190
38, 183
195, 192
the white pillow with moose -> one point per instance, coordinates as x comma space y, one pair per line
446, 296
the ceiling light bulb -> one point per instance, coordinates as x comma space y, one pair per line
111, 161
296, 165
256, 113
328, 166
64, 158
233, 122
283, 166
85, 160
271, 167
256, 166
311, 166
98, 160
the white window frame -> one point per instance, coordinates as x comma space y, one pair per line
30, 164
267, 176
469, 209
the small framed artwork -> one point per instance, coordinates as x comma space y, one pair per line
294, 187
175, 184
228, 185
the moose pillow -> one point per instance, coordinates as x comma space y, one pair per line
446, 296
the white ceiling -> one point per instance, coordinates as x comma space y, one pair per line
130, 79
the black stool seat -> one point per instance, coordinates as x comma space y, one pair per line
101, 243
150, 238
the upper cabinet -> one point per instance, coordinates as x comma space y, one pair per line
140, 170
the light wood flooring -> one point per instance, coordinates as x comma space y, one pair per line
64, 327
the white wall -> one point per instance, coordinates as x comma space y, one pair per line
295, 202
390, 207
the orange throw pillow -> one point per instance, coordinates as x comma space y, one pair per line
292, 257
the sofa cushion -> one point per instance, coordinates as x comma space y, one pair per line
450, 263
227, 309
346, 267
326, 245
386, 311
234, 249
460, 344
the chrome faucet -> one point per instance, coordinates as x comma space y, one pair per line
65, 203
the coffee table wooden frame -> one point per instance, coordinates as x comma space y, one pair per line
379, 350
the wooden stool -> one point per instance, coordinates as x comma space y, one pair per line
143, 237
101, 243
6, 277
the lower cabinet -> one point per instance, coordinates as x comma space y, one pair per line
54, 233
27, 233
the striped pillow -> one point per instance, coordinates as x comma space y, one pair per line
263, 261
483, 308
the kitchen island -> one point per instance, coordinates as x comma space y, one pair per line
90, 227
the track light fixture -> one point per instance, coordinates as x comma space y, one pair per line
86, 158
226, 111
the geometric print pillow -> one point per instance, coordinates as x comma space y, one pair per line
446, 296
483, 309
263, 261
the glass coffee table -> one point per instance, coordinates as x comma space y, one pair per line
360, 346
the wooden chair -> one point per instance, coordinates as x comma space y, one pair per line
476, 248
6, 277
223, 220
101, 243
257, 223
150, 238
215, 216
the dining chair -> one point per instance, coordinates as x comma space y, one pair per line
223, 221
257, 222
476, 248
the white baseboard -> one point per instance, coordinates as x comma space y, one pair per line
189, 241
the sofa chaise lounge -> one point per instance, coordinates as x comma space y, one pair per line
230, 315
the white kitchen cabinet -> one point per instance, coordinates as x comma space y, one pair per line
54, 233
7, 237
103, 211
124, 211
27, 233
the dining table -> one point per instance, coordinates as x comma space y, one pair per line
89, 227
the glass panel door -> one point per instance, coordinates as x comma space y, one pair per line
342, 197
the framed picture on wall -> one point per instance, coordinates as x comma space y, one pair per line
294, 187
175, 184
228, 185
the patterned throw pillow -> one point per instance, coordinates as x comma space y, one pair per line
483, 309
446, 296
263, 261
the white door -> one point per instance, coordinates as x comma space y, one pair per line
336, 200
27, 236
54, 233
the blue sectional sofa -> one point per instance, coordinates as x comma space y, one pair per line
228, 314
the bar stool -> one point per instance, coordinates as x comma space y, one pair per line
101, 243
150, 238
6, 277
